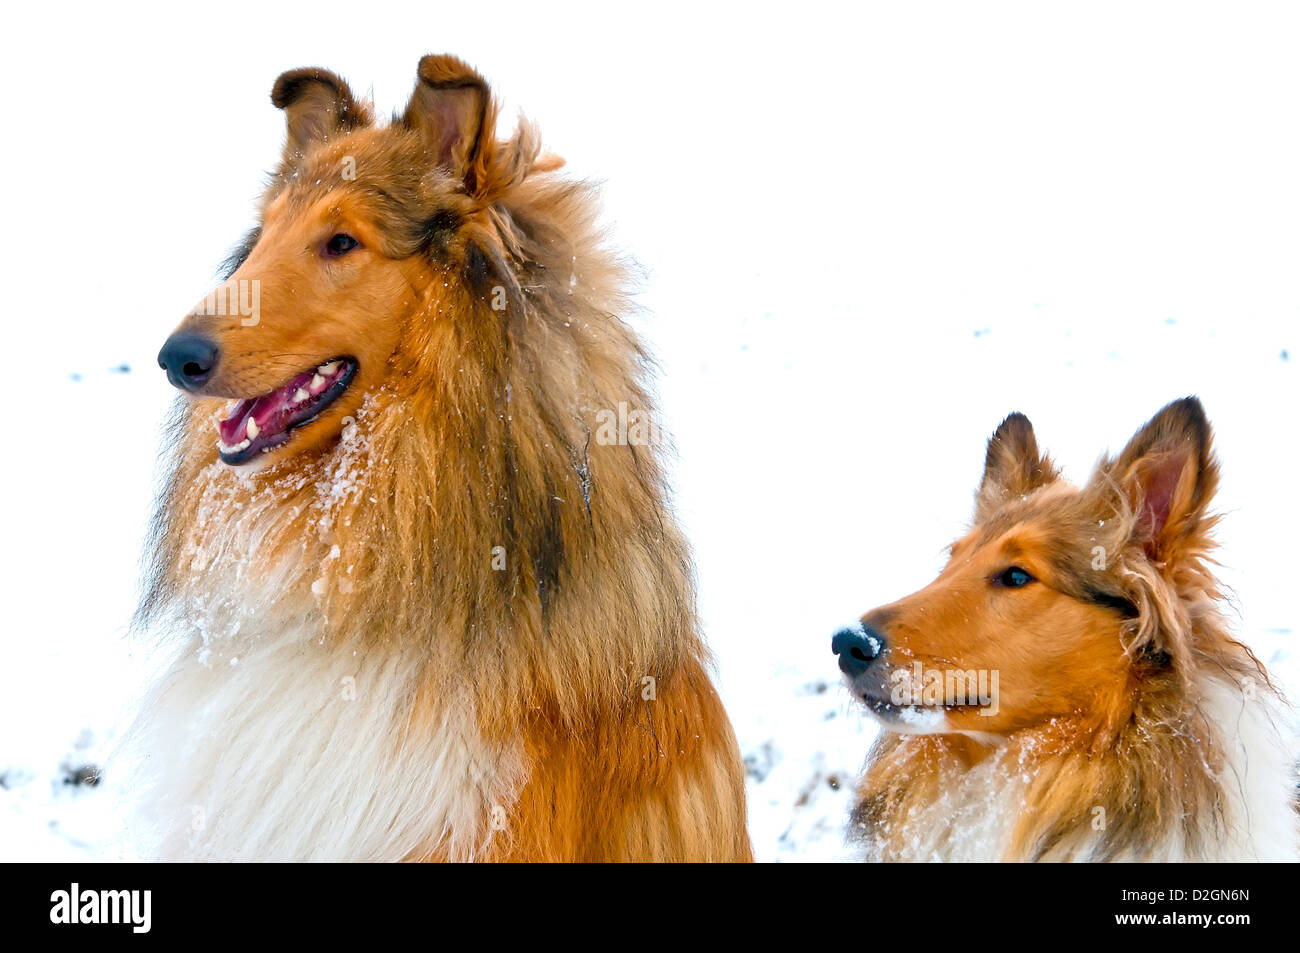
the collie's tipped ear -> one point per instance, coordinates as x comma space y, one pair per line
1013, 465
1167, 476
317, 105
453, 110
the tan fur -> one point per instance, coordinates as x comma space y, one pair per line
1117, 671
466, 428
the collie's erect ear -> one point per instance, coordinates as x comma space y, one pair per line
317, 105
1013, 465
453, 110
1167, 476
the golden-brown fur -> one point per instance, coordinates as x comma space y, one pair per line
469, 427
1130, 723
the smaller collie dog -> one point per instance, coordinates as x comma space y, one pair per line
1067, 689
428, 602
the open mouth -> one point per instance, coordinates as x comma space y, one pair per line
256, 425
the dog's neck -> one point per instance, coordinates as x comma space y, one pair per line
343, 625
409, 530
1210, 782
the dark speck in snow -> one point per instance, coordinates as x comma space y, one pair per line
1286, 355
122, 368
86, 775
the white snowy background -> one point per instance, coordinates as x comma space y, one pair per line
868, 231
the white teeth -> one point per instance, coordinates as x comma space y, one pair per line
317, 383
253, 429
328, 369
300, 395
242, 445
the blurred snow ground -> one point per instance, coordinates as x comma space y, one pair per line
867, 236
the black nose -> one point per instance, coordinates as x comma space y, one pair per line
857, 646
188, 360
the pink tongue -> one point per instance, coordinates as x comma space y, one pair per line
265, 410
234, 427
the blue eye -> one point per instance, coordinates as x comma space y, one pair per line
340, 244
1014, 578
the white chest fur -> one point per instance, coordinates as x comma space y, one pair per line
275, 747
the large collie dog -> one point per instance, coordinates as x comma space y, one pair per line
433, 604
1067, 688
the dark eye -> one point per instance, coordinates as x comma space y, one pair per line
1013, 578
340, 244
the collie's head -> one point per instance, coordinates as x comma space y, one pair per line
1064, 608
368, 236
400, 410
